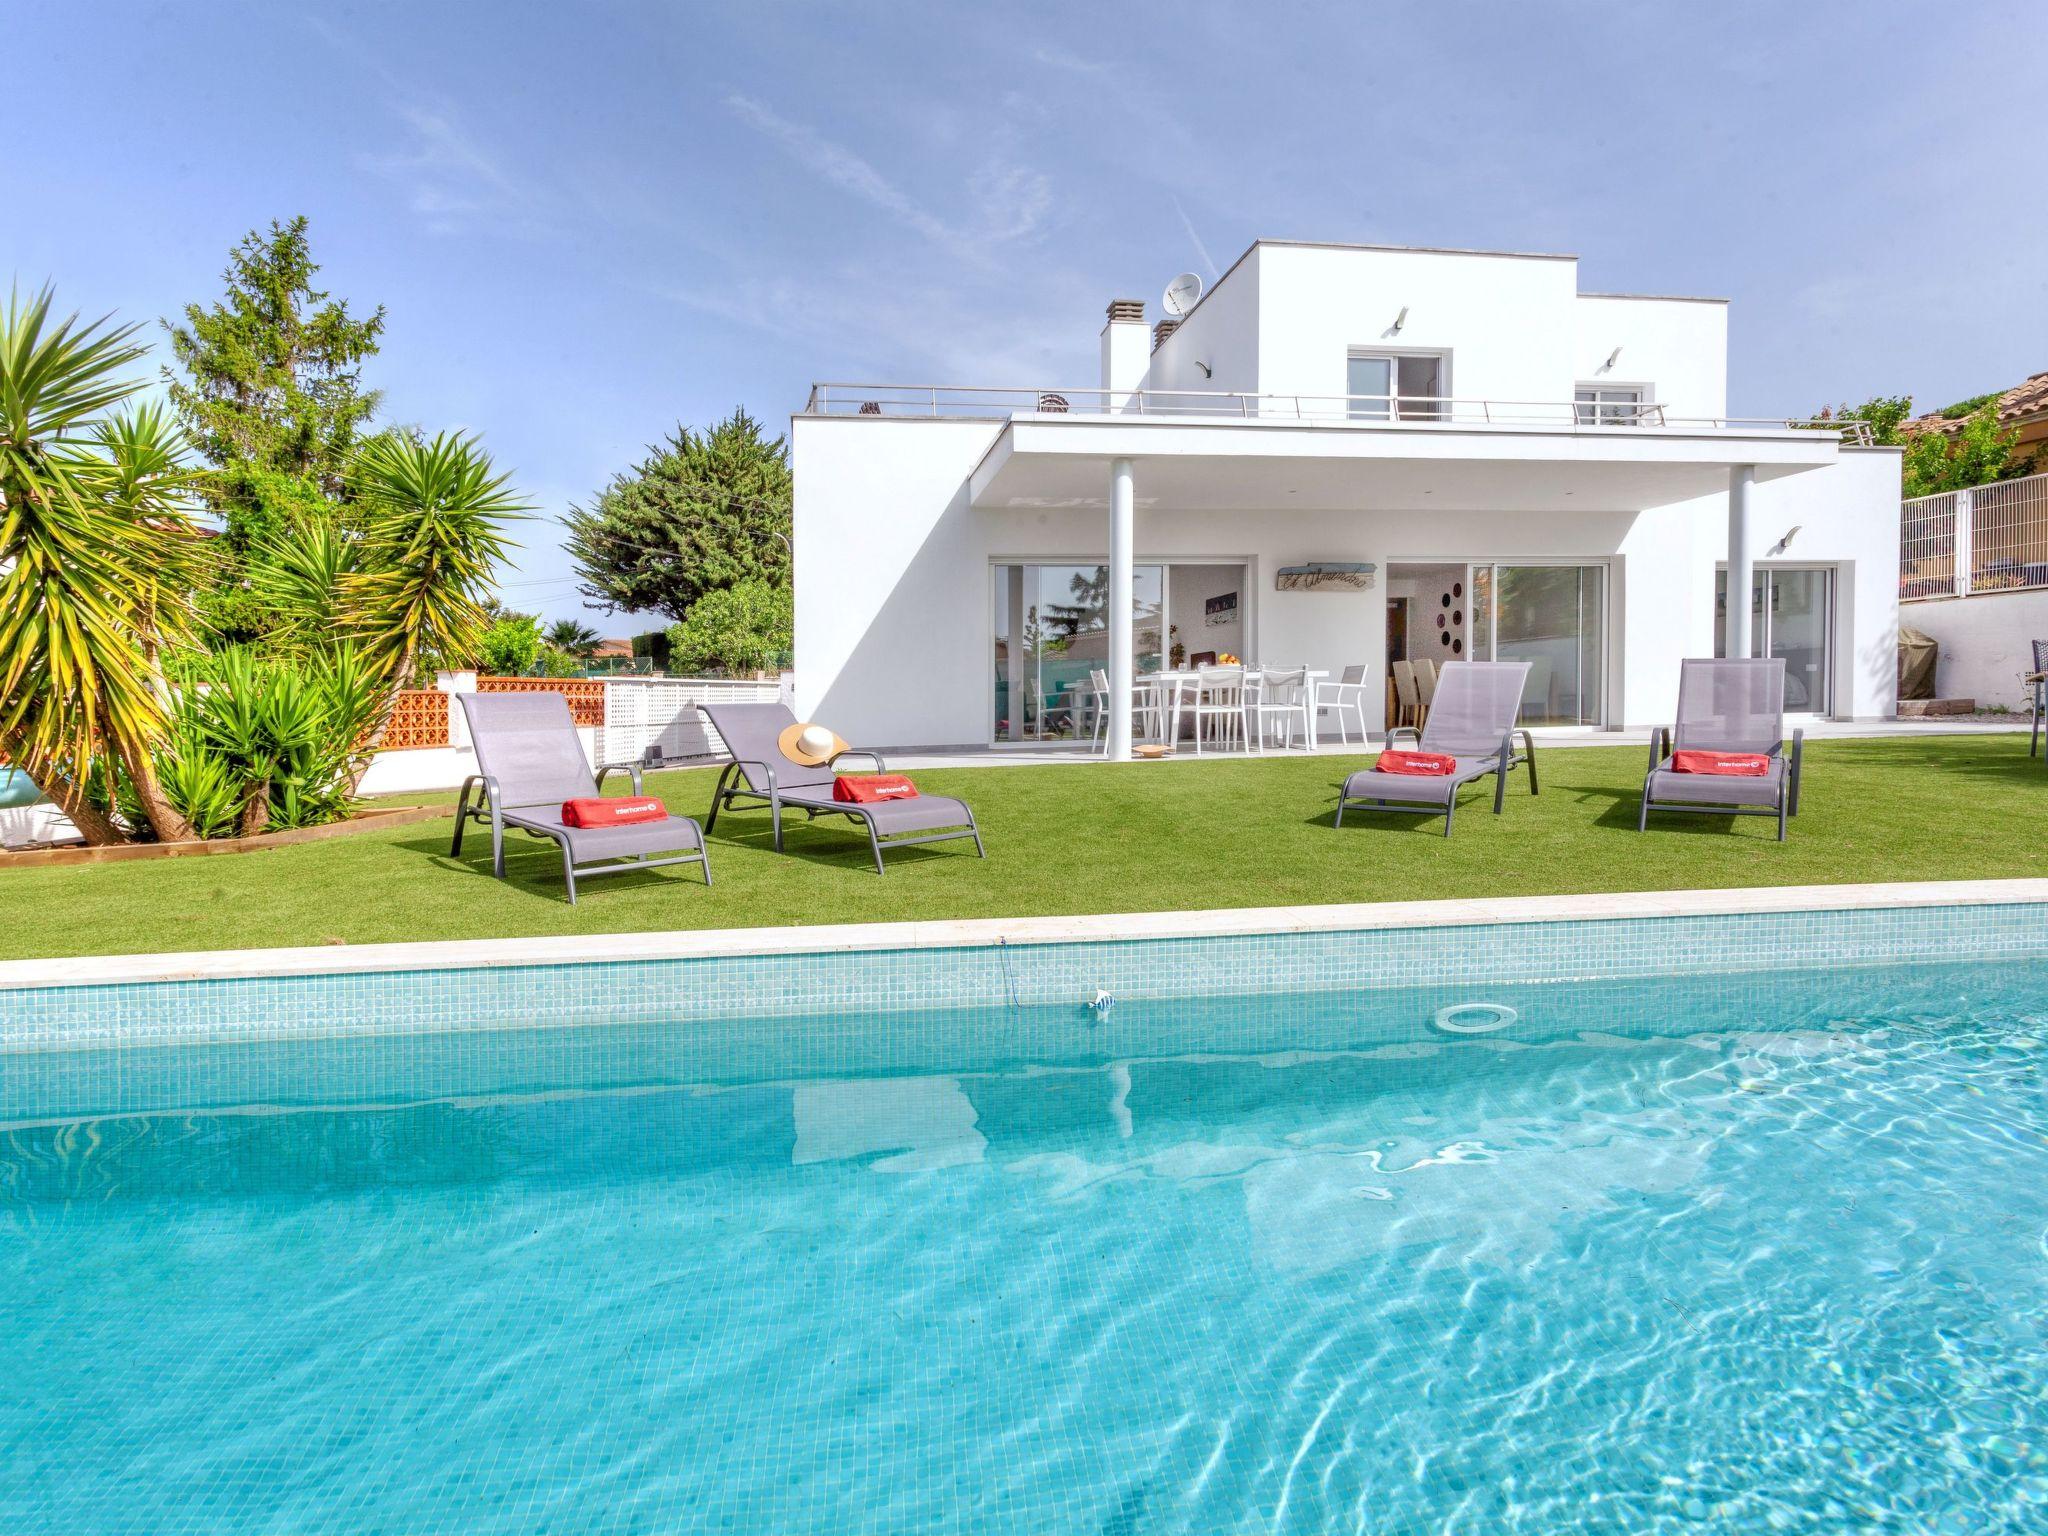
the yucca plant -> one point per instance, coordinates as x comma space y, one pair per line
300, 575
93, 534
433, 514
204, 787
285, 729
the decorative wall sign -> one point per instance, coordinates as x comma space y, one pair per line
1327, 576
1221, 609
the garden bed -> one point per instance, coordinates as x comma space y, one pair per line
117, 853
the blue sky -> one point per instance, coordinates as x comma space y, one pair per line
592, 221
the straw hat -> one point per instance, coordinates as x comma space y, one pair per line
809, 743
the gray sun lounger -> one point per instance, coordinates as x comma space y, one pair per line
759, 774
529, 760
1473, 719
1733, 705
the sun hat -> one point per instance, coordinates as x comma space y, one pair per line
809, 743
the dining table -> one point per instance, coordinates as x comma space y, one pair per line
1170, 688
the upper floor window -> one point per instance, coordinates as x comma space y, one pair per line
1383, 385
1609, 405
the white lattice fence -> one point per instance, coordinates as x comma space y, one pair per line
656, 719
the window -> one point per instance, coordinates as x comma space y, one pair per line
1388, 384
1609, 405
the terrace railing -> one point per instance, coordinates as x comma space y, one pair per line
1989, 538
973, 402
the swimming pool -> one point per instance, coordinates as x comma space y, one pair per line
1759, 1247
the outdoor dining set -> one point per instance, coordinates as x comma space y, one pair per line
1227, 708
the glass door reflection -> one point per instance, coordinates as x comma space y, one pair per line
1051, 632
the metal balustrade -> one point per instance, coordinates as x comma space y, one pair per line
976, 402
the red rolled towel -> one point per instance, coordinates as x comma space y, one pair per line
1422, 764
1741, 765
866, 788
622, 811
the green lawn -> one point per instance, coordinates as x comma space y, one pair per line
1083, 838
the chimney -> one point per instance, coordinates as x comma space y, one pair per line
1124, 359
1164, 329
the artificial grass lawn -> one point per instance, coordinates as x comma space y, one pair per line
1067, 838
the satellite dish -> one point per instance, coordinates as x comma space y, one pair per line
1181, 294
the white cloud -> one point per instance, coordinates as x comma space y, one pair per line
1008, 200
446, 175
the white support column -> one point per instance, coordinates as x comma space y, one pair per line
1741, 571
1121, 598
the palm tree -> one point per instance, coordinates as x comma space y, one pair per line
433, 515
574, 638
94, 543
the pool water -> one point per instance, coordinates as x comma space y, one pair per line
1676, 1257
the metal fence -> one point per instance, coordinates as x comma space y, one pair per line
655, 719
1989, 538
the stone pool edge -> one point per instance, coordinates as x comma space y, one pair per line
971, 933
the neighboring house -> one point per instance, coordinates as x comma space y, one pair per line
613, 649
2023, 409
1528, 471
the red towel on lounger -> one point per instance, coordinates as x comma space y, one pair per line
622, 811
1422, 764
1741, 765
866, 788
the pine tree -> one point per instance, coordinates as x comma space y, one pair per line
272, 392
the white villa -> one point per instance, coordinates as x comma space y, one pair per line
1499, 465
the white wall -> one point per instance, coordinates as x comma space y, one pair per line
1986, 643
893, 596
1189, 589
1222, 332
1285, 319
1676, 349
1506, 321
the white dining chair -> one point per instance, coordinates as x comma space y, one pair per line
1218, 706
1351, 694
1277, 696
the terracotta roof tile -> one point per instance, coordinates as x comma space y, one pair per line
2022, 400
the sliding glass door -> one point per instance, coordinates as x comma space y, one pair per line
1051, 631
1554, 617
1790, 617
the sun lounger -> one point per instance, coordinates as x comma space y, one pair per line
1471, 718
1729, 706
530, 761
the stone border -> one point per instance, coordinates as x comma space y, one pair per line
467, 954
121, 853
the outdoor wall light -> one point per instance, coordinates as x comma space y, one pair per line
1401, 319
1782, 544
1207, 372
1611, 357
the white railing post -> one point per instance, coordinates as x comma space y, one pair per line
1965, 540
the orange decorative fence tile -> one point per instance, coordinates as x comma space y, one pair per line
585, 694
419, 720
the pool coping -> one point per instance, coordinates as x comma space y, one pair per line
838, 938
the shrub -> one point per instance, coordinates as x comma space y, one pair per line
745, 628
509, 647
